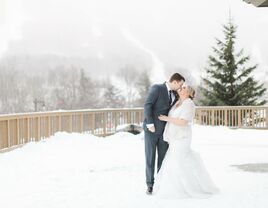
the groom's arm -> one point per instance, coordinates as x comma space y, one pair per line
186, 117
149, 103
176, 121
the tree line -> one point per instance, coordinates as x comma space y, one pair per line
229, 81
70, 88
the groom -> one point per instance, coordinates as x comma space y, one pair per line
160, 99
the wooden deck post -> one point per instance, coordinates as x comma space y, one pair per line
239, 118
81, 123
18, 131
38, 129
8, 134
266, 117
104, 123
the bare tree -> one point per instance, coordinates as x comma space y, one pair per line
14, 97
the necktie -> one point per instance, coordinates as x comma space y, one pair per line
170, 98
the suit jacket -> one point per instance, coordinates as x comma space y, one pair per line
157, 103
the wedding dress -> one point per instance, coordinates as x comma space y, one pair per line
182, 173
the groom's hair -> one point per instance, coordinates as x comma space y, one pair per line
176, 77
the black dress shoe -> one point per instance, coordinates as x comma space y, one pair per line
149, 191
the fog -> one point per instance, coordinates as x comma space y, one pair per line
177, 33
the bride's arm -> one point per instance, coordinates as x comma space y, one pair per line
176, 121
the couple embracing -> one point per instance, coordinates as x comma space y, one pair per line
169, 111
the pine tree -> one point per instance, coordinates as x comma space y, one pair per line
112, 97
143, 84
66, 92
230, 81
88, 92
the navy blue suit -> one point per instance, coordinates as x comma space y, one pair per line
157, 103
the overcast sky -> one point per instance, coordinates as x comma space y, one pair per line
179, 33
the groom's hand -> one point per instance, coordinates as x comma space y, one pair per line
163, 118
152, 129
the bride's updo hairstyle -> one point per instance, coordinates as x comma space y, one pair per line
191, 92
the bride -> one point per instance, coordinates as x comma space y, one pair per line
182, 173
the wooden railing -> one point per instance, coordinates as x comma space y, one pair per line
18, 129
255, 117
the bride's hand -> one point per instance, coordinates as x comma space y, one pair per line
163, 118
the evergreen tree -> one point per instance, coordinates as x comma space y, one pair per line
230, 81
88, 92
143, 84
66, 92
112, 97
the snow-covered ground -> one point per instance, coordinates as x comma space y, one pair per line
84, 171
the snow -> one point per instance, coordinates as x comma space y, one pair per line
82, 170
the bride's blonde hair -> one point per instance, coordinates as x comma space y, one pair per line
191, 92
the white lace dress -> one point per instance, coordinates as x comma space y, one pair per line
183, 173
